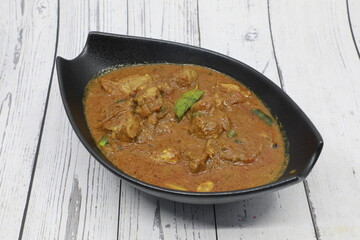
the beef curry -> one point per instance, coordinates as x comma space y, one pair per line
184, 127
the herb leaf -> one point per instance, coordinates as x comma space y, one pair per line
260, 114
103, 141
120, 100
231, 134
238, 141
184, 103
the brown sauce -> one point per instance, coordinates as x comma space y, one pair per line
226, 140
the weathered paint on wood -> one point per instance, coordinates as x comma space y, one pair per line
321, 70
73, 196
245, 35
143, 216
310, 48
28, 42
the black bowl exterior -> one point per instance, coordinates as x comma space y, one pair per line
107, 50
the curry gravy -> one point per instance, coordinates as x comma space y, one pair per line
184, 127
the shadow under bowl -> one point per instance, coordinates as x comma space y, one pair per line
103, 50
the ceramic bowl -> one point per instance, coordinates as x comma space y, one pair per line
103, 50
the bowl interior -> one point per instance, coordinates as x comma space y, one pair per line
105, 50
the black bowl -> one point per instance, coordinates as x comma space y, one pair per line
104, 50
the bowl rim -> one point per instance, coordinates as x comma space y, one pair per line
141, 184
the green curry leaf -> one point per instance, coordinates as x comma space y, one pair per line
184, 103
260, 114
231, 134
103, 141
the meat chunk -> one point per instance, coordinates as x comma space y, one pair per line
148, 101
228, 87
165, 88
110, 86
196, 161
232, 151
146, 135
176, 187
185, 77
124, 127
165, 126
152, 120
205, 186
165, 109
112, 110
127, 85
206, 104
209, 125
135, 82
231, 94
169, 155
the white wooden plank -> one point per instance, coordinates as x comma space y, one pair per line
143, 216
353, 8
164, 19
27, 36
321, 70
73, 196
240, 29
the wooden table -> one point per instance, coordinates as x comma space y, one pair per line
51, 188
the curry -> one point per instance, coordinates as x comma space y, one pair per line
184, 127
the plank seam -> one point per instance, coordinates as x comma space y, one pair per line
198, 22
127, 17
119, 209
311, 207
86, 197
351, 28
273, 47
42, 126
215, 223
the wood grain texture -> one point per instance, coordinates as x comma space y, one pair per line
143, 216
245, 35
73, 196
164, 19
321, 70
353, 9
314, 55
27, 36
